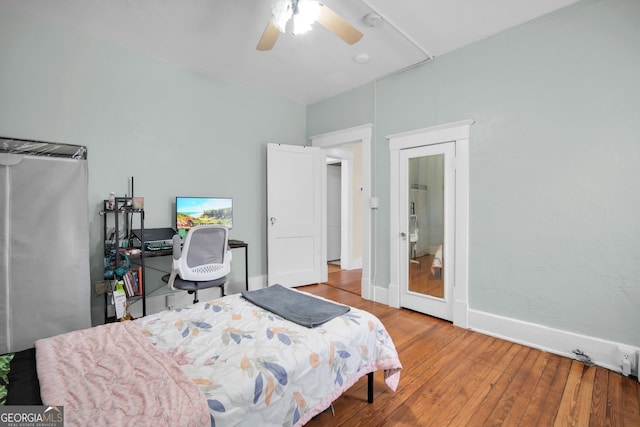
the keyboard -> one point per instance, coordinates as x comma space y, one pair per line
157, 246
235, 242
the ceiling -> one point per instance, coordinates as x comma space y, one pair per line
218, 37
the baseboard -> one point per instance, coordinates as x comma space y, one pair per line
602, 352
354, 263
393, 296
365, 289
461, 313
238, 285
382, 295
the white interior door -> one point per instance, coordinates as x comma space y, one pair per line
294, 214
427, 218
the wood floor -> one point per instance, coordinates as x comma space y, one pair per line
423, 280
455, 377
347, 280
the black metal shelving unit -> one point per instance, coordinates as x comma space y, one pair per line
123, 215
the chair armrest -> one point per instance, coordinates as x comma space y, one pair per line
172, 278
177, 246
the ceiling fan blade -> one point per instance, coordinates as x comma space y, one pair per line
269, 37
341, 28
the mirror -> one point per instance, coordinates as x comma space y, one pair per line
426, 225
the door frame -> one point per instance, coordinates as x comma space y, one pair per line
347, 261
458, 133
327, 141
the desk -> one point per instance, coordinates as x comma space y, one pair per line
234, 244
157, 264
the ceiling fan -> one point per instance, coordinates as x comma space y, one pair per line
304, 13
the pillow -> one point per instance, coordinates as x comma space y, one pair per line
23, 388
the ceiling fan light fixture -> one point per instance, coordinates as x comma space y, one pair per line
281, 11
305, 14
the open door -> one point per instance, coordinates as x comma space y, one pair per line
294, 214
427, 217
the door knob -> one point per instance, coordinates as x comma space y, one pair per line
273, 220
403, 235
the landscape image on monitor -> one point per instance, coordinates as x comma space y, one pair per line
192, 211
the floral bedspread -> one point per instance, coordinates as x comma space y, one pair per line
256, 368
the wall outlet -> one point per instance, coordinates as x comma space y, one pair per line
628, 360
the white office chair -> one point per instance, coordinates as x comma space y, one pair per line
202, 262
413, 238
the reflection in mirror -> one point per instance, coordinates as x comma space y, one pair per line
426, 225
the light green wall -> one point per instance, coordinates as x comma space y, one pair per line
554, 163
554, 150
177, 132
352, 108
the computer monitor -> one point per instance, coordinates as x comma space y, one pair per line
191, 211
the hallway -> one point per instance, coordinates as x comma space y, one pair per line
347, 280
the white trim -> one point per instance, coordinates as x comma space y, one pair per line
381, 295
457, 132
324, 270
393, 299
356, 263
602, 352
346, 201
461, 287
432, 135
339, 137
359, 134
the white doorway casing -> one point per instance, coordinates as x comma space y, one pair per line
458, 133
330, 143
334, 209
346, 158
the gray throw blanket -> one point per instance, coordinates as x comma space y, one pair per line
298, 307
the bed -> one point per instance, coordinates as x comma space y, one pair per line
438, 263
226, 362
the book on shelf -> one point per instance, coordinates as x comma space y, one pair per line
132, 283
135, 284
128, 284
140, 287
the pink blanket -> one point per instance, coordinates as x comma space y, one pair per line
111, 375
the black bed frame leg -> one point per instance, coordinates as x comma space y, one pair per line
370, 387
